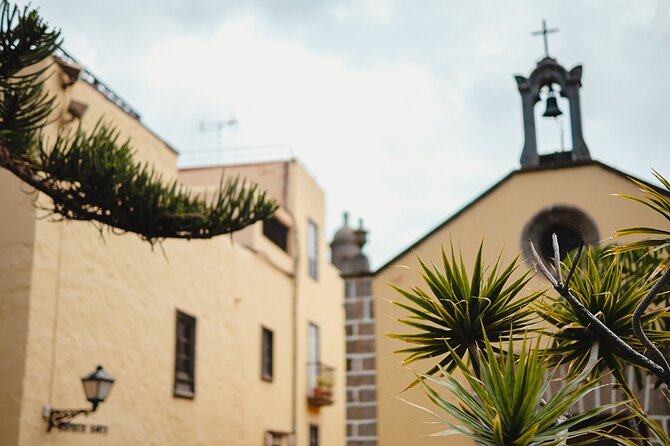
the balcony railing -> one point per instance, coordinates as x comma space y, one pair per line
320, 384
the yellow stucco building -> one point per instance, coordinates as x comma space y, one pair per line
236, 340
564, 192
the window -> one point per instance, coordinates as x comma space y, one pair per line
571, 225
277, 232
184, 368
313, 435
312, 248
267, 353
313, 355
276, 438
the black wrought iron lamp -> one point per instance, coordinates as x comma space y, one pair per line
96, 387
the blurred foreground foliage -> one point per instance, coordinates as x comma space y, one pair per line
91, 174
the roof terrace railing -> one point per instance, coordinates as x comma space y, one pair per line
96, 83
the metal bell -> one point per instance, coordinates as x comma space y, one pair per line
552, 110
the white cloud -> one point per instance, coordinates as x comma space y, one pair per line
401, 112
359, 129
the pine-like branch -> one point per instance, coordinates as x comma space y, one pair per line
91, 176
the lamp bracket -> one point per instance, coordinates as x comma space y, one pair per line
62, 417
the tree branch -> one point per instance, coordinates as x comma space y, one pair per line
557, 258
88, 175
637, 320
575, 262
588, 319
71, 208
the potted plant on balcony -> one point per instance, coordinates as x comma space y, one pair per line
323, 388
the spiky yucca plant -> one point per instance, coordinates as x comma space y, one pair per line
504, 406
635, 264
659, 202
611, 311
456, 313
605, 294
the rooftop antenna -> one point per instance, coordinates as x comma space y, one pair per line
217, 126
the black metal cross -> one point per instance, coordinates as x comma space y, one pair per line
544, 33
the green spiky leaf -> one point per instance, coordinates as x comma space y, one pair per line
659, 202
505, 405
457, 311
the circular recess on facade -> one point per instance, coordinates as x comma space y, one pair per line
570, 224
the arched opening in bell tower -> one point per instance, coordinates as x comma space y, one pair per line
553, 131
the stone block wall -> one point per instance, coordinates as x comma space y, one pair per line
361, 363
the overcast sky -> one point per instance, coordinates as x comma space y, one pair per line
403, 111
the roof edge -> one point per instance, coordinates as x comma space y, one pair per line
507, 177
447, 221
244, 164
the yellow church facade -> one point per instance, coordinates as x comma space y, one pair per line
236, 340
500, 217
564, 192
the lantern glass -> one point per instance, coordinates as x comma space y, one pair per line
103, 390
90, 389
97, 386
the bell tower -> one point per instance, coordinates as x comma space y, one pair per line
549, 72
